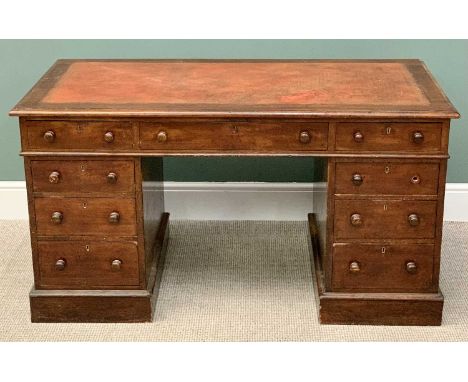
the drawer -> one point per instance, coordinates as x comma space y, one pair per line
370, 136
81, 176
395, 178
242, 136
382, 267
59, 135
384, 219
85, 216
87, 265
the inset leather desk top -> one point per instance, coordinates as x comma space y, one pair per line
252, 87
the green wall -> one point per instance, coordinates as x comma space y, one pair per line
24, 61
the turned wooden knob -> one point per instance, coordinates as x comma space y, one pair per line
60, 264
418, 137
112, 178
304, 137
109, 137
356, 219
354, 267
411, 267
357, 179
415, 179
358, 137
57, 217
413, 219
114, 217
49, 136
116, 265
162, 137
54, 177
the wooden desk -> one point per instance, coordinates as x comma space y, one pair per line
94, 132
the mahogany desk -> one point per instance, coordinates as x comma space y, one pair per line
94, 132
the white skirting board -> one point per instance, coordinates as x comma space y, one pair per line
233, 201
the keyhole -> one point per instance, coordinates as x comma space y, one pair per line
385, 207
85, 204
87, 247
384, 250
387, 169
389, 130
83, 167
235, 129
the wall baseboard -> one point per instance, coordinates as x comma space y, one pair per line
233, 201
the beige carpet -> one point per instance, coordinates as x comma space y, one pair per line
230, 281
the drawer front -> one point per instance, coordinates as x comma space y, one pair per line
85, 216
384, 219
87, 265
79, 176
395, 178
382, 267
368, 136
242, 136
59, 135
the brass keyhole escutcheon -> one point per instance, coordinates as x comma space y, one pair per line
385, 207
85, 204
383, 250
87, 249
388, 130
235, 129
387, 169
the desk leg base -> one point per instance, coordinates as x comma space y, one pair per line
421, 309
103, 305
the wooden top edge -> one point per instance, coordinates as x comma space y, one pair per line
72, 60
221, 114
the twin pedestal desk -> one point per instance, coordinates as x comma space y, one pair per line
94, 134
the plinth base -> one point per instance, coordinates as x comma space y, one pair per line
104, 305
371, 308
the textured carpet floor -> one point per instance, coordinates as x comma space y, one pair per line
230, 281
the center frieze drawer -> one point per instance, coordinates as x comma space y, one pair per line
383, 177
384, 219
364, 267
83, 176
85, 216
87, 264
240, 136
